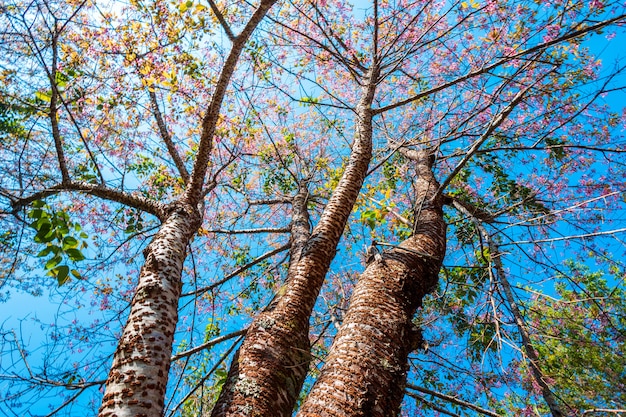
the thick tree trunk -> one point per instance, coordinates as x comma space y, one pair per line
365, 371
138, 377
268, 371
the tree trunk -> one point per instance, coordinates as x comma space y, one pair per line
268, 371
138, 377
365, 371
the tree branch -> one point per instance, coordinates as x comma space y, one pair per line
167, 138
193, 193
495, 263
239, 270
132, 200
208, 344
572, 35
493, 125
430, 404
603, 410
556, 239
53, 115
255, 230
220, 17
454, 400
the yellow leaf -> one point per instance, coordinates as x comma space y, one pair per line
185, 6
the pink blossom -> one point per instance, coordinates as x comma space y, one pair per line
596, 4
552, 32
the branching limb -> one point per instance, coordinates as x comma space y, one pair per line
255, 230
139, 202
493, 125
495, 264
270, 201
239, 270
431, 404
193, 193
604, 410
167, 138
205, 377
56, 98
453, 400
556, 239
222, 20
542, 46
208, 344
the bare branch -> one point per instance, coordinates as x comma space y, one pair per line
240, 270
132, 200
167, 138
208, 344
495, 264
556, 239
222, 20
431, 404
205, 377
255, 230
493, 125
270, 201
454, 400
604, 410
569, 36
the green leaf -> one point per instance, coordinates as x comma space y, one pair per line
35, 214
69, 242
45, 97
53, 262
45, 234
47, 251
62, 274
75, 254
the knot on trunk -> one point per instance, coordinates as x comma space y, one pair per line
187, 210
416, 339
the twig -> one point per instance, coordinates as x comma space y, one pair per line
208, 344
239, 270
454, 400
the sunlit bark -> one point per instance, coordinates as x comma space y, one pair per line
138, 377
365, 371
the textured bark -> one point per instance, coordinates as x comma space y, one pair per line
138, 377
268, 371
365, 371
137, 381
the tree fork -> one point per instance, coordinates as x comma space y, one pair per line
269, 369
